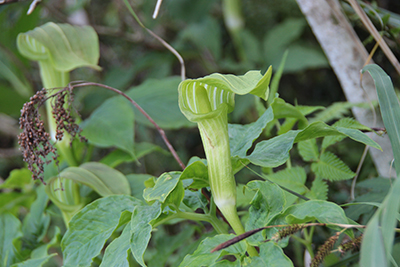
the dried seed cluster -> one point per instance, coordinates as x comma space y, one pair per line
34, 141
324, 250
351, 245
287, 231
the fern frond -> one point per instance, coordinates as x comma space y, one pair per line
332, 168
336, 111
319, 189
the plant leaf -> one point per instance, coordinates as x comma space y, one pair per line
10, 230
83, 241
319, 189
271, 255
111, 124
141, 227
241, 137
116, 254
165, 184
67, 47
332, 168
203, 257
198, 172
35, 262
268, 201
308, 150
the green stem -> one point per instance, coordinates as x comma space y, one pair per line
214, 134
52, 78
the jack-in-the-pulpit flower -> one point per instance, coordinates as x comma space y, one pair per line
207, 101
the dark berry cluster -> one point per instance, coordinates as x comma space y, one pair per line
324, 250
62, 115
34, 141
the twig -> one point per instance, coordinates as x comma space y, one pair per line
252, 232
161, 131
157, 9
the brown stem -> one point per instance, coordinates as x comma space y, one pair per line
161, 131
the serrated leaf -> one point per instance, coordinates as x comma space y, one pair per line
116, 254
141, 227
203, 257
164, 185
10, 230
111, 125
290, 178
271, 255
268, 201
308, 150
332, 168
67, 47
319, 189
83, 241
335, 111
241, 137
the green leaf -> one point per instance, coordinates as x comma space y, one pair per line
285, 110
10, 230
276, 79
198, 172
116, 254
159, 98
92, 226
308, 150
111, 124
136, 182
267, 202
35, 262
291, 178
165, 184
36, 223
175, 198
322, 211
67, 47
241, 137
336, 111
373, 251
332, 168
203, 257
319, 189
141, 227
271, 255
18, 179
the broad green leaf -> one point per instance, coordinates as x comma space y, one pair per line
322, 211
198, 172
290, 178
42, 251
111, 125
195, 200
241, 137
346, 123
271, 255
13, 201
175, 198
244, 195
336, 111
273, 152
114, 180
219, 93
36, 223
35, 262
92, 226
165, 184
67, 47
332, 168
10, 230
203, 257
285, 110
116, 254
18, 179
308, 150
101, 178
268, 201
159, 98
227, 263
141, 228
